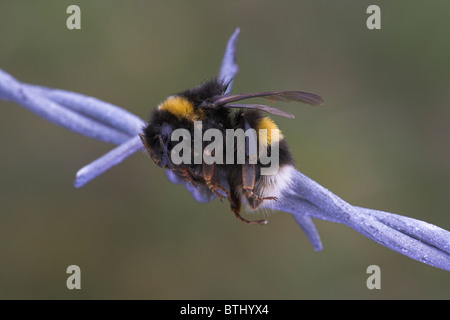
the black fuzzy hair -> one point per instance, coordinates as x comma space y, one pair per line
205, 91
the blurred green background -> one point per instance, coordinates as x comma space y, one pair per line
380, 141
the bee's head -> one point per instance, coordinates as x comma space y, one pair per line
174, 112
156, 139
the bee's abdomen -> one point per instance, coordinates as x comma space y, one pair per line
272, 132
267, 131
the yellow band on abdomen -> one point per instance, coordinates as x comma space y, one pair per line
268, 124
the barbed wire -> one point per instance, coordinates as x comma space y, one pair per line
306, 199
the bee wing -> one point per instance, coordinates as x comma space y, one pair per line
299, 96
261, 107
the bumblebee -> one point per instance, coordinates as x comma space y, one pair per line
208, 105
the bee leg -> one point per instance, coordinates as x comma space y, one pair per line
238, 215
194, 178
208, 172
235, 204
248, 183
187, 175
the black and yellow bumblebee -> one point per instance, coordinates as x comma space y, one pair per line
208, 103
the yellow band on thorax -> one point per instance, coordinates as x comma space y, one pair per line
181, 107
